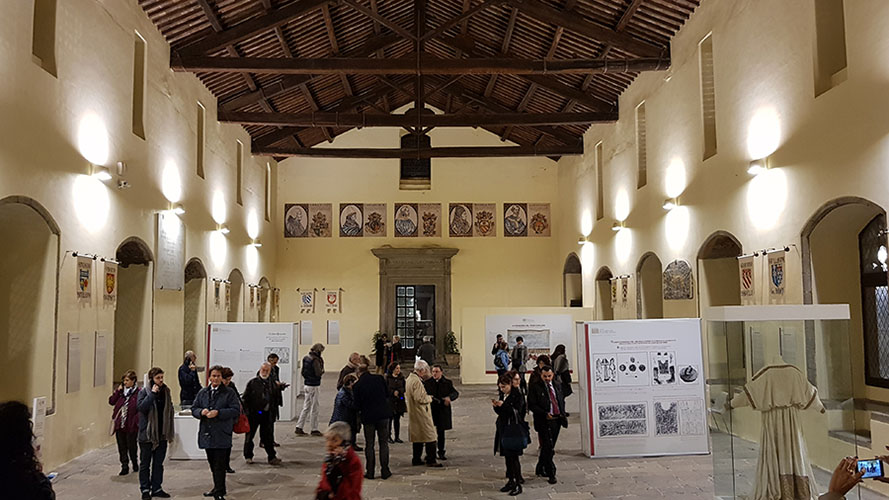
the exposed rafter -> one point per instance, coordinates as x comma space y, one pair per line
444, 152
340, 120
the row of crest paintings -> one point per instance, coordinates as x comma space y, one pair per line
417, 220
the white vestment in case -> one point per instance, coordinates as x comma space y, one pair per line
783, 471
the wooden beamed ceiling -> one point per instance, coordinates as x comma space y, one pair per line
296, 73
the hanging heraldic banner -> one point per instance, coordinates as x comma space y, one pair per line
110, 282
642, 388
777, 279
745, 270
333, 300
306, 301
84, 278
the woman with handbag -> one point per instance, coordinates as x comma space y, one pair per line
125, 420
512, 436
562, 370
396, 382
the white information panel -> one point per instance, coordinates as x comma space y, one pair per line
541, 333
243, 347
642, 390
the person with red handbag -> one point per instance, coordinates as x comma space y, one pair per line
242, 426
259, 404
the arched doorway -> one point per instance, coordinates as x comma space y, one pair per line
236, 287
842, 264
264, 310
132, 318
194, 333
649, 287
718, 283
604, 307
28, 300
572, 282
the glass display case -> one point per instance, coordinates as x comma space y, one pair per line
782, 403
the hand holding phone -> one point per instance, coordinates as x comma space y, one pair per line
872, 468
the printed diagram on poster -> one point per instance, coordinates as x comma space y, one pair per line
406, 220
484, 225
333, 300
351, 220
541, 333
642, 392
460, 220
110, 282
745, 270
84, 278
539, 220
375, 220
515, 219
296, 220
776, 277
306, 300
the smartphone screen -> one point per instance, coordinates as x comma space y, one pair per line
871, 468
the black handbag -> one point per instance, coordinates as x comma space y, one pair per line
516, 435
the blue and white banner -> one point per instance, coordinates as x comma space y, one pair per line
777, 277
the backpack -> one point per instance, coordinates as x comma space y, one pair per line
498, 362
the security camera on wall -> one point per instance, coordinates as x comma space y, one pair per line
122, 184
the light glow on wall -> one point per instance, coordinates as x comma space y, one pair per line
763, 133
586, 223
675, 179
91, 202
622, 205
623, 245
171, 184
92, 139
587, 255
218, 248
252, 260
252, 224
676, 227
218, 208
767, 198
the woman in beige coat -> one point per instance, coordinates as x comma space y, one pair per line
422, 429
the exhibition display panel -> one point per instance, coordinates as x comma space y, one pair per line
781, 402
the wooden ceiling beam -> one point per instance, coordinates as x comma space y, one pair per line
395, 27
542, 12
408, 65
443, 152
526, 99
209, 40
464, 17
361, 120
627, 15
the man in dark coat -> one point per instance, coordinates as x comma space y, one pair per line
260, 405
427, 351
189, 385
218, 408
443, 393
371, 395
351, 367
312, 370
155, 406
496, 346
546, 402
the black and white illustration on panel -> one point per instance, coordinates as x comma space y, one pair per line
282, 352
688, 374
606, 369
633, 368
691, 417
622, 419
666, 418
663, 367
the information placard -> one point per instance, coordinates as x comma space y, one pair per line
243, 347
642, 390
541, 333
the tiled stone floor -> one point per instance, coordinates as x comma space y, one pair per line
472, 470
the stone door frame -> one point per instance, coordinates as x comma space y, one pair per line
416, 266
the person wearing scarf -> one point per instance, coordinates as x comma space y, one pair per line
125, 420
155, 431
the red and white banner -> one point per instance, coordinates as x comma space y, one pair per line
745, 275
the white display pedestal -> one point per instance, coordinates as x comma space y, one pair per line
185, 442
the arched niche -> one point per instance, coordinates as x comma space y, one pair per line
236, 290
29, 283
195, 307
132, 315
649, 287
718, 283
572, 282
604, 306
265, 288
835, 271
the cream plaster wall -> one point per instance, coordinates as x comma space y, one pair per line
495, 271
40, 159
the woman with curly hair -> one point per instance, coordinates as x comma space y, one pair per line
21, 475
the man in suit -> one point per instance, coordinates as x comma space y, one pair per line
443, 393
371, 396
546, 402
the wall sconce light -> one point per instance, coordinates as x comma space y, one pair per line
223, 229
671, 203
759, 166
583, 239
617, 226
255, 243
178, 209
100, 172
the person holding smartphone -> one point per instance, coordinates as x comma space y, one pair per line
155, 407
126, 421
217, 407
510, 410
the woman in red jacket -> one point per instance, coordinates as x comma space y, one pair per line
342, 472
126, 421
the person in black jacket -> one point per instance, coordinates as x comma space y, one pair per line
21, 474
496, 346
381, 351
395, 350
443, 394
218, 408
547, 403
155, 405
312, 370
189, 384
371, 398
395, 381
510, 409
259, 404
